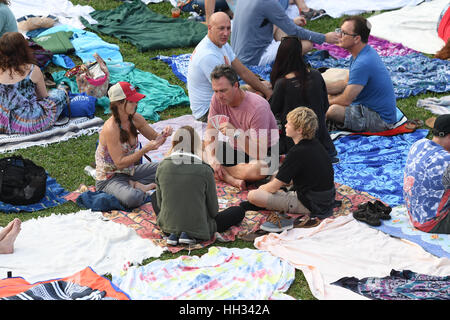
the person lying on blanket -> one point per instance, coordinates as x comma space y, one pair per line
214, 50
117, 152
307, 166
8, 236
26, 105
426, 186
185, 200
250, 127
365, 102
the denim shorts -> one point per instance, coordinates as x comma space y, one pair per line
359, 118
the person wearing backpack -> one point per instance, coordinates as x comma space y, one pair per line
27, 106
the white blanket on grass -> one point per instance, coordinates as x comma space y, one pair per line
64, 10
344, 247
414, 27
74, 128
338, 8
61, 245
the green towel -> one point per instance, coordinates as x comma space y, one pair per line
134, 22
58, 42
160, 94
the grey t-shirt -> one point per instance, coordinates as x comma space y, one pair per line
253, 23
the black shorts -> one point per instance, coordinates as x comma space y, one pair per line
229, 157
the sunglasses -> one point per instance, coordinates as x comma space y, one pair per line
340, 32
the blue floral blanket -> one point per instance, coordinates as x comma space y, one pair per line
411, 74
375, 164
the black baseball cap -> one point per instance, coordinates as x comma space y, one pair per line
442, 125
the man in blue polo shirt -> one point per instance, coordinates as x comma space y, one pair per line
367, 102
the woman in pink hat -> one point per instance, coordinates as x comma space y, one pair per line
117, 152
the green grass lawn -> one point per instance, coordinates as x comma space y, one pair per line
65, 161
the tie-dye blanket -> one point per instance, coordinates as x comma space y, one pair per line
399, 226
383, 47
411, 74
220, 274
400, 285
375, 164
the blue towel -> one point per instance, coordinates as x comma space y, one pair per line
53, 197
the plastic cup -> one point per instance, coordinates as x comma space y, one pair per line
176, 12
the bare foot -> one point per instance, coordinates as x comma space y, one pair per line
145, 187
237, 183
7, 229
7, 243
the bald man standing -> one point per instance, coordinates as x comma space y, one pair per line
212, 51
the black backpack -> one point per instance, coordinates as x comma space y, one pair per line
21, 181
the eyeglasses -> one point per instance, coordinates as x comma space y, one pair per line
340, 32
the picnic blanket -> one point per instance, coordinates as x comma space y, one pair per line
63, 10
338, 8
143, 219
54, 196
400, 285
135, 23
345, 247
411, 74
87, 43
83, 285
76, 127
160, 94
59, 245
375, 164
219, 274
400, 226
381, 46
413, 26
436, 106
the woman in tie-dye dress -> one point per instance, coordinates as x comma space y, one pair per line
25, 104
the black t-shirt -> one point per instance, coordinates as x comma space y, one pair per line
309, 167
288, 95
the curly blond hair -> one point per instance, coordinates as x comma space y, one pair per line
305, 119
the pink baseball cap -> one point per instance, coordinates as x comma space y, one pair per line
124, 90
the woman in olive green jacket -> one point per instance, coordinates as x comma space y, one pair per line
186, 198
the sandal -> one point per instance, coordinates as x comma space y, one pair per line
313, 14
250, 237
306, 222
414, 124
